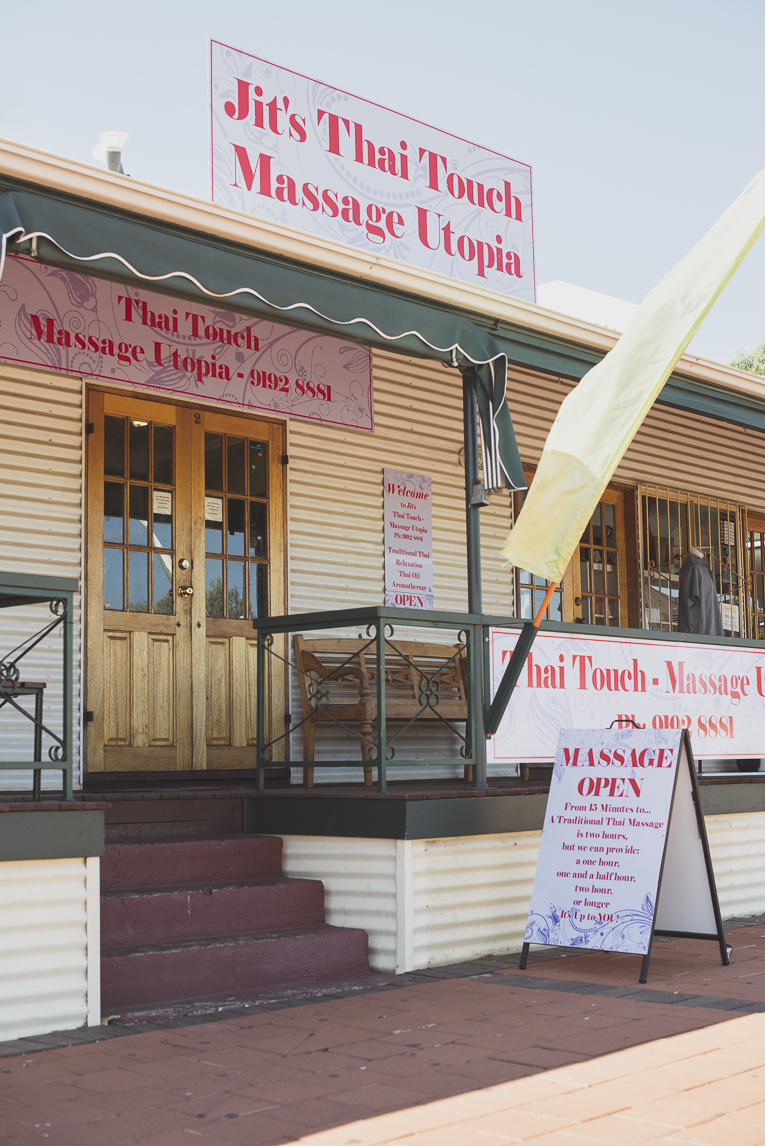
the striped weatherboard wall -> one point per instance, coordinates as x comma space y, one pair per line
40, 533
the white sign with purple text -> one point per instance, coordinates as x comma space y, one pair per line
408, 540
715, 691
602, 847
74, 324
293, 150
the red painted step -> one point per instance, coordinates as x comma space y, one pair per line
197, 919
190, 969
161, 863
152, 915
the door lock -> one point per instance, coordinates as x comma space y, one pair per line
185, 591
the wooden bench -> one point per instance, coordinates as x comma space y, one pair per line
348, 670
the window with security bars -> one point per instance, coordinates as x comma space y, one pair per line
756, 562
671, 522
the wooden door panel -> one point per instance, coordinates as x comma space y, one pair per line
139, 680
231, 647
218, 691
161, 681
117, 690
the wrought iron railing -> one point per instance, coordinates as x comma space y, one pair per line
17, 590
367, 667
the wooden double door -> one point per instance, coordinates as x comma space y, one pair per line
186, 544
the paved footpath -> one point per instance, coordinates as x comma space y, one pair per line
571, 1051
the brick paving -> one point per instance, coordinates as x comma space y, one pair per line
573, 1050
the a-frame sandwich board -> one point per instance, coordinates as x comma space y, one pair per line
682, 885
687, 906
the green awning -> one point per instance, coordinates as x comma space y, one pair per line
89, 237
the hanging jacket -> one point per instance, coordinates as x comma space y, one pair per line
698, 608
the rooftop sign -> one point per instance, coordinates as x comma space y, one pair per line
293, 150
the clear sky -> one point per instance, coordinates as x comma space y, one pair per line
641, 120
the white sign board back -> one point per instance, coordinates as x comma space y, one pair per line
622, 854
408, 540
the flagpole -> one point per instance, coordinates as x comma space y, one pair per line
515, 664
475, 596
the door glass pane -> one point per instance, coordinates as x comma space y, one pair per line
236, 527
139, 450
597, 569
597, 527
163, 583
258, 546
138, 581
214, 461
237, 600
113, 591
163, 455
214, 525
113, 511
139, 515
214, 587
162, 535
584, 568
259, 590
257, 469
235, 474
114, 446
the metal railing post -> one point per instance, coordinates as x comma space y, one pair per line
260, 712
68, 729
382, 733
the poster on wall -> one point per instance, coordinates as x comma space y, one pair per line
715, 691
61, 320
296, 151
408, 540
624, 853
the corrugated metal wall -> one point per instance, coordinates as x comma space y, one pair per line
672, 447
427, 903
359, 878
40, 533
336, 518
336, 499
43, 947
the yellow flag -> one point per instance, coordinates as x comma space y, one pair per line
599, 419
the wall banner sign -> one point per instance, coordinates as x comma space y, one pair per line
408, 540
293, 150
64, 321
624, 852
716, 692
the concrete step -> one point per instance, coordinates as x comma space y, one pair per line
143, 974
163, 914
163, 862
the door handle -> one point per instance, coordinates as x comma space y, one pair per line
185, 591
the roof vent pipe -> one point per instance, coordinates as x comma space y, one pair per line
109, 150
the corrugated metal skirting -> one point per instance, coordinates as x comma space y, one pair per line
41, 531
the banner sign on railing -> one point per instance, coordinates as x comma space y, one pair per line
64, 321
295, 151
408, 540
624, 852
716, 692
